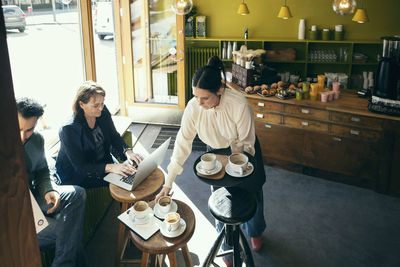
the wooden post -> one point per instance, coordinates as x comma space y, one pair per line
18, 240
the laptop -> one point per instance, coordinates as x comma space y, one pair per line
147, 166
38, 216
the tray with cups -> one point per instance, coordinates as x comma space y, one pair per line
210, 166
139, 218
239, 165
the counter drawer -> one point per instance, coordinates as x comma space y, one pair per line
306, 124
307, 112
360, 121
265, 106
268, 117
355, 132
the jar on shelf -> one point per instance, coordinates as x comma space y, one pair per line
326, 34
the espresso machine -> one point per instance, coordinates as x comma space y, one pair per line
386, 94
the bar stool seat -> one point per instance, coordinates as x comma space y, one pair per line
144, 191
232, 207
158, 245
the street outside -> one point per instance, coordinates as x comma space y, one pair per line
47, 63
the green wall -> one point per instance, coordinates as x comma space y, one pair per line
222, 20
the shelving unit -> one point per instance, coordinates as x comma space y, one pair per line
303, 66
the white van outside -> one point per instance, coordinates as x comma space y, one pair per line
104, 20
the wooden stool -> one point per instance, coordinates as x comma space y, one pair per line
144, 191
232, 207
158, 245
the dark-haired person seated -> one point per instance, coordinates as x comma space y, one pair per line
63, 206
90, 143
219, 116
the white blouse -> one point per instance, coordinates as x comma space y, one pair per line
231, 121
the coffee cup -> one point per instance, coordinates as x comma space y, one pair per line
172, 221
208, 161
238, 162
139, 211
164, 204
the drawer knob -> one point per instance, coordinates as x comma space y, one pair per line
355, 132
260, 115
305, 111
337, 139
355, 119
260, 104
304, 123
268, 126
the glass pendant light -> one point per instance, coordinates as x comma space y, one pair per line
284, 12
182, 7
361, 14
344, 7
243, 10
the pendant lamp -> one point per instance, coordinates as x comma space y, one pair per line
361, 14
243, 10
182, 7
344, 7
284, 12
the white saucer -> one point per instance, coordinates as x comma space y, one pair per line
181, 228
144, 220
217, 168
159, 214
247, 172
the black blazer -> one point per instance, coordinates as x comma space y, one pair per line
76, 160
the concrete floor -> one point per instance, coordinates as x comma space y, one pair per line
310, 221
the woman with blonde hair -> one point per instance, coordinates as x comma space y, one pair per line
90, 143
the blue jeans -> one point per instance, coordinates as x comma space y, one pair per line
64, 232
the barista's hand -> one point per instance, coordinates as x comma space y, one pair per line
133, 158
166, 191
52, 197
123, 169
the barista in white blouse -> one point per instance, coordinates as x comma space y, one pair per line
219, 116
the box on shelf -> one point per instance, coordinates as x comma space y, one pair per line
242, 76
201, 26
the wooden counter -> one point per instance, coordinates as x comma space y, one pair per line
339, 140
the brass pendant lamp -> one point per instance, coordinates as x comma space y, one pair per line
284, 12
243, 10
361, 14
182, 7
344, 7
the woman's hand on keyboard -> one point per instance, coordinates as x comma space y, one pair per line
122, 169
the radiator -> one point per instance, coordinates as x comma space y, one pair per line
195, 59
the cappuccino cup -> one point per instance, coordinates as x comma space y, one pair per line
172, 221
164, 204
208, 161
139, 211
238, 162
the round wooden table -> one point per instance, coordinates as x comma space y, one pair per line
144, 191
158, 245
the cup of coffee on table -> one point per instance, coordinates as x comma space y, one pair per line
172, 221
139, 211
208, 161
238, 162
164, 204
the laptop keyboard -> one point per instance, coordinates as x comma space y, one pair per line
129, 179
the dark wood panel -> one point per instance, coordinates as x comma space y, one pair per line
280, 142
18, 241
269, 117
342, 155
265, 106
307, 112
356, 120
355, 132
305, 123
